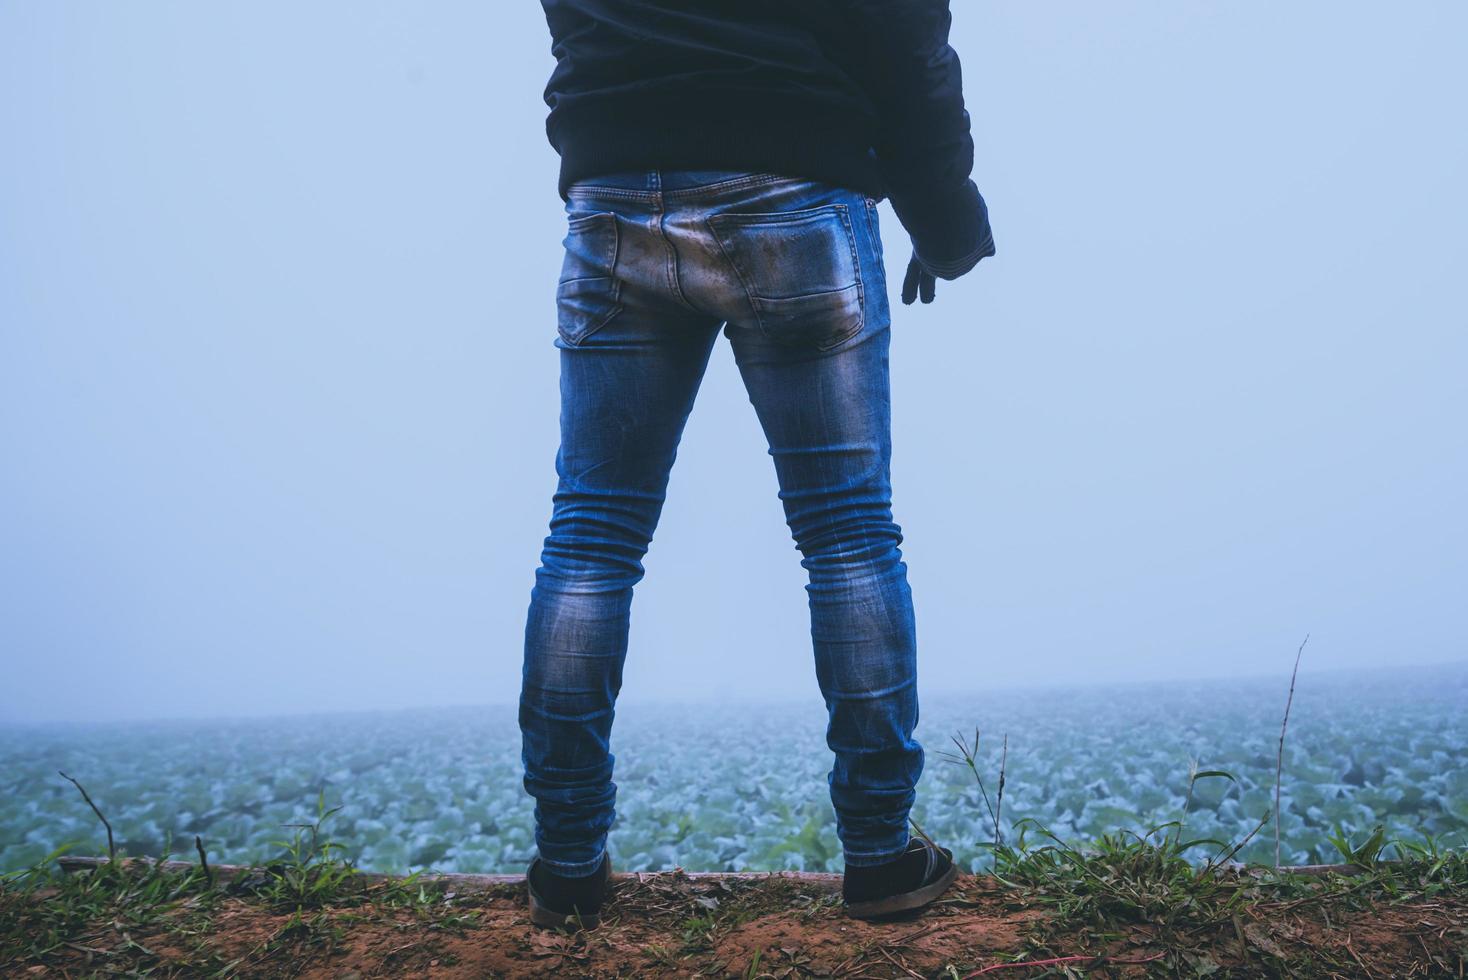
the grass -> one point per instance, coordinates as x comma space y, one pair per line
1138, 898
1149, 885
46, 914
1152, 885
1144, 887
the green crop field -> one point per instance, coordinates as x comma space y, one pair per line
732, 787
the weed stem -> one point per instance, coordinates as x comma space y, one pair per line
1279, 764
111, 848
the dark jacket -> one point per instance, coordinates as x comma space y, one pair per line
866, 94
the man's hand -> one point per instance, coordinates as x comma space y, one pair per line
919, 282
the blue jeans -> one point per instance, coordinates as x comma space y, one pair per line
791, 270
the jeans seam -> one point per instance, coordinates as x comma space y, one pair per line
861, 293
736, 183
625, 193
874, 236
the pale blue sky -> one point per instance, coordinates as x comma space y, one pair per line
277, 386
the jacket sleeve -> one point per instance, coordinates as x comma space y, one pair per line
925, 149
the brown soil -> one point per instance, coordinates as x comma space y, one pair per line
669, 925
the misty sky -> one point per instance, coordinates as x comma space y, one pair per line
277, 383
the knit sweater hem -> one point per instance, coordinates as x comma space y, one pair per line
593, 143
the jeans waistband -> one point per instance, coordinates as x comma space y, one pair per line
663, 180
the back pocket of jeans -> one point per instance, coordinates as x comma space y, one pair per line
588, 292
800, 271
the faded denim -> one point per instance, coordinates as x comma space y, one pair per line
655, 265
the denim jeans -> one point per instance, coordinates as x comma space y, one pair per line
655, 265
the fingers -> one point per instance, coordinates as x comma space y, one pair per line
918, 284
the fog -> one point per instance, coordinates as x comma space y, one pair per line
278, 391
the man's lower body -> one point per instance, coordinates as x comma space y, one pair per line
656, 266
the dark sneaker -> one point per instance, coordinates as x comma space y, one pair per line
909, 882
573, 903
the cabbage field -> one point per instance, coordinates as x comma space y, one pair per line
739, 787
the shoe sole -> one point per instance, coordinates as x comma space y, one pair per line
905, 902
549, 918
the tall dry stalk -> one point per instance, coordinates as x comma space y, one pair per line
111, 847
1279, 765
999, 803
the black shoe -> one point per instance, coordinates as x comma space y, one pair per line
575, 903
906, 883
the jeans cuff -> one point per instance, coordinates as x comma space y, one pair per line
581, 869
867, 859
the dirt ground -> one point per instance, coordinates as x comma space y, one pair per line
670, 925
